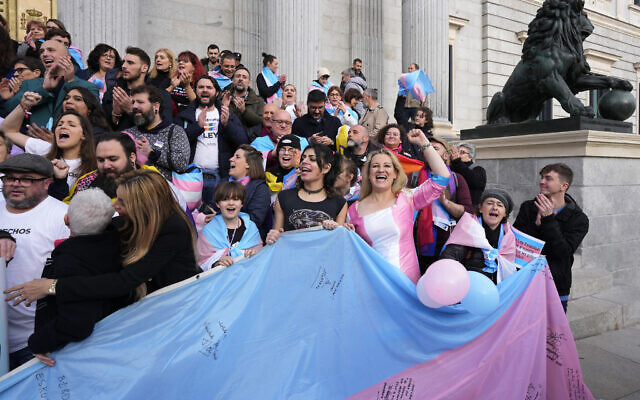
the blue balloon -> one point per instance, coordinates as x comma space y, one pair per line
483, 297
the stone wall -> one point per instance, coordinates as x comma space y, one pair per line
486, 48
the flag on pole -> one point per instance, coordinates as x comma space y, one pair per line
416, 83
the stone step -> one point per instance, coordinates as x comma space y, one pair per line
589, 281
589, 316
629, 276
628, 297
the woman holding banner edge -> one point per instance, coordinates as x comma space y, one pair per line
383, 216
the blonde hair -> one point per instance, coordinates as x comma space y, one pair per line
398, 184
172, 62
149, 202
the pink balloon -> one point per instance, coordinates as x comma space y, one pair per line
424, 297
446, 282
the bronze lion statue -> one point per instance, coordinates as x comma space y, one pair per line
552, 66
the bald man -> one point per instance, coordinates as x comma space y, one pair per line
358, 145
263, 129
59, 78
281, 126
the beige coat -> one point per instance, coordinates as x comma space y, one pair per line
374, 119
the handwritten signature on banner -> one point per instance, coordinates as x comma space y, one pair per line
323, 281
212, 339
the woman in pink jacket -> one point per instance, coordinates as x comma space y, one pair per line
383, 216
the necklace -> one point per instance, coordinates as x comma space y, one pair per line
312, 191
233, 236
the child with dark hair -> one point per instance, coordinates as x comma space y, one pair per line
227, 235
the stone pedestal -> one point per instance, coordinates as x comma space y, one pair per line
606, 185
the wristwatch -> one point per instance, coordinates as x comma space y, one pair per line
52, 287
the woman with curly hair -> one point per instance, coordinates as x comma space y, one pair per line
102, 59
394, 138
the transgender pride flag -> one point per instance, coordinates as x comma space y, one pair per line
417, 83
318, 315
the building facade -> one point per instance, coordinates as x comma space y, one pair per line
467, 47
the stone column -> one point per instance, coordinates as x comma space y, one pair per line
293, 36
90, 22
425, 41
249, 32
367, 40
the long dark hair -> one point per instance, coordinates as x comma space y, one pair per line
87, 148
6, 53
324, 156
95, 112
93, 61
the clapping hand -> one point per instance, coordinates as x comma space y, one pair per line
143, 146
226, 98
544, 204
239, 102
121, 101
224, 115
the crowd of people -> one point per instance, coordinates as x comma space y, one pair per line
94, 157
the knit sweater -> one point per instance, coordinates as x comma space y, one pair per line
167, 157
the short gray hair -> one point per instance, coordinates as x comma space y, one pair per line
373, 93
348, 72
471, 147
90, 212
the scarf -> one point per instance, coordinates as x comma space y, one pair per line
281, 181
470, 232
217, 234
427, 230
271, 80
244, 180
222, 80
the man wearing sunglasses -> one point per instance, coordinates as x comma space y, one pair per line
36, 221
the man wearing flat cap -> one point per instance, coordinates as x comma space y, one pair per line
36, 221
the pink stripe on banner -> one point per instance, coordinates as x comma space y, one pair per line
189, 186
529, 353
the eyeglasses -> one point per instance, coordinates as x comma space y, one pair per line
335, 94
19, 71
281, 122
287, 150
109, 56
463, 152
26, 182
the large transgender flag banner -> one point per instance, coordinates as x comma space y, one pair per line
417, 83
300, 322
